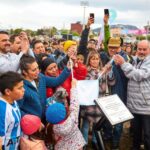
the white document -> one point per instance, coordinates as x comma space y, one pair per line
88, 91
114, 109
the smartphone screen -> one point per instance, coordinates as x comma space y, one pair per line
106, 12
91, 15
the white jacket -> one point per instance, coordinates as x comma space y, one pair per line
138, 94
70, 137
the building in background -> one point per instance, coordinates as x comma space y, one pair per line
115, 31
76, 27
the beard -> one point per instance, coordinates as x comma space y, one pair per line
5, 50
142, 57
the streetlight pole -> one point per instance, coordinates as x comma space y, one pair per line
147, 29
84, 4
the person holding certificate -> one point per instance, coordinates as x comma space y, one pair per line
138, 92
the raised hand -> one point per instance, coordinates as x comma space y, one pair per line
106, 18
90, 21
24, 42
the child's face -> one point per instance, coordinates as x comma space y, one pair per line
80, 60
72, 52
17, 92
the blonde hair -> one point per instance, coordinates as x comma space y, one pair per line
91, 55
80, 56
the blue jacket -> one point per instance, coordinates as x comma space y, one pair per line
34, 100
120, 87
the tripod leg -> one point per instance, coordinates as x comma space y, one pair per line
99, 140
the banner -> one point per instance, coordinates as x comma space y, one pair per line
136, 32
88, 91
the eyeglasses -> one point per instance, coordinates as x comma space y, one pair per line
114, 48
91, 42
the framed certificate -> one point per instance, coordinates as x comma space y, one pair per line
114, 109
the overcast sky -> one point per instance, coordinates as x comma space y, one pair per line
35, 14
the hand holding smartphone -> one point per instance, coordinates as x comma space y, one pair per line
106, 16
106, 12
92, 17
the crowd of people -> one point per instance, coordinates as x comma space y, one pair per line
39, 107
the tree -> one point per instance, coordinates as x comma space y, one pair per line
75, 33
11, 31
47, 31
65, 31
141, 37
40, 32
17, 31
53, 31
30, 32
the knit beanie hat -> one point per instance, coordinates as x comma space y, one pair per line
30, 124
45, 63
55, 113
68, 44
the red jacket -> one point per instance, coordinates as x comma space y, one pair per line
79, 72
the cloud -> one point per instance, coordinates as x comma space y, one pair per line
119, 5
60, 13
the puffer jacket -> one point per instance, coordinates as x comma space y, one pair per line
138, 93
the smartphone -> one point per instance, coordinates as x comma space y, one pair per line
106, 12
92, 15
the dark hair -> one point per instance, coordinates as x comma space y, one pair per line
4, 32
121, 43
38, 135
40, 57
35, 42
12, 37
54, 43
25, 61
92, 40
49, 134
46, 43
61, 40
8, 80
